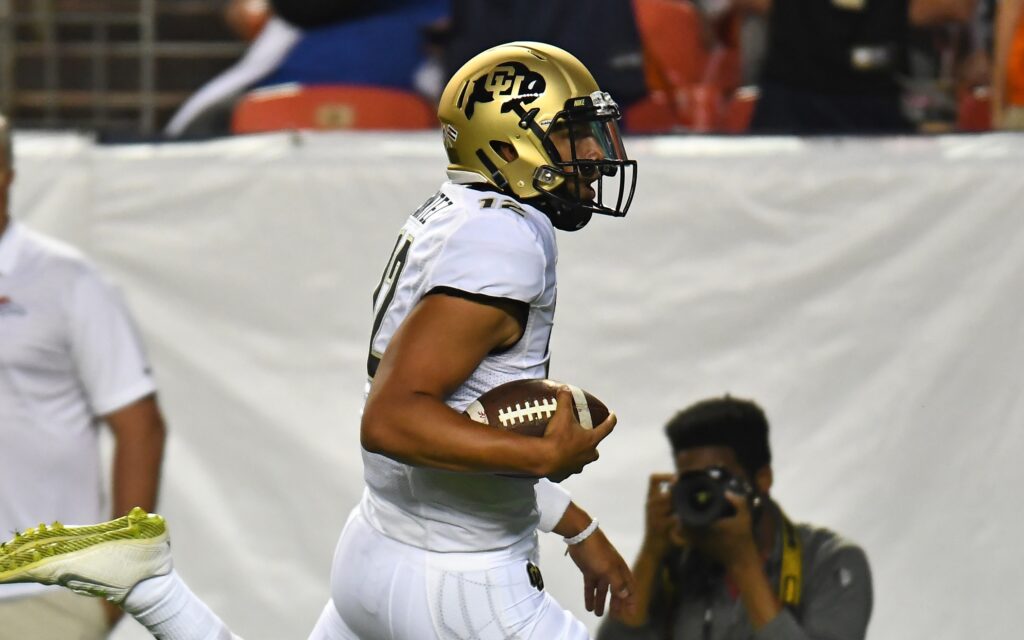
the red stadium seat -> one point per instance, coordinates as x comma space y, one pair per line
331, 107
687, 82
724, 69
652, 114
673, 44
706, 104
974, 111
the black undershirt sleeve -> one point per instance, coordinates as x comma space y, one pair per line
516, 308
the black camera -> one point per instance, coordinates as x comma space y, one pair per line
699, 496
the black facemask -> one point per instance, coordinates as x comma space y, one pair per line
563, 213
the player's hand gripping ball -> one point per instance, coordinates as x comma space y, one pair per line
525, 406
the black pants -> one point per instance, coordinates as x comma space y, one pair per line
782, 109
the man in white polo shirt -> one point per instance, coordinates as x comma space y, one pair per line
70, 358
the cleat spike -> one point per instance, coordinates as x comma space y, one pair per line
24, 540
104, 560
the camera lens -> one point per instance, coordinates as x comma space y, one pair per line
699, 496
698, 499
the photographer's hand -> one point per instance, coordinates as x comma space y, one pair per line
658, 538
731, 542
659, 515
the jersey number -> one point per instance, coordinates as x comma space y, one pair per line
489, 203
384, 294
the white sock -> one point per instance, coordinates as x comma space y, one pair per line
170, 611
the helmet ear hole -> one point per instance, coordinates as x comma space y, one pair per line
504, 150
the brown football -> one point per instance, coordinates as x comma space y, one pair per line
525, 406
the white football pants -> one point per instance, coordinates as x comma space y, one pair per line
382, 589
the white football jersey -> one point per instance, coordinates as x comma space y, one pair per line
478, 242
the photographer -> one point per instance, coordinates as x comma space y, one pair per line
721, 561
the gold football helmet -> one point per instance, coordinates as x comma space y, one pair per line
529, 119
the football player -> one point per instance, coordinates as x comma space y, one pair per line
444, 542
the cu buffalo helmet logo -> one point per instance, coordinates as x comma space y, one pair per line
512, 82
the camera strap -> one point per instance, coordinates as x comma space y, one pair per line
791, 571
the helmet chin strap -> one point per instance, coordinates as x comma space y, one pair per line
564, 215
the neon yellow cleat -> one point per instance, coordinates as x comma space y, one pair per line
106, 564
57, 531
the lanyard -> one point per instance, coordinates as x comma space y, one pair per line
791, 574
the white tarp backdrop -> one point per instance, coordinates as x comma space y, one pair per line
869, 293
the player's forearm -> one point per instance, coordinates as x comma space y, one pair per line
573, 520
421, 430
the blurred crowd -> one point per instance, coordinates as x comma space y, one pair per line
722, 66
